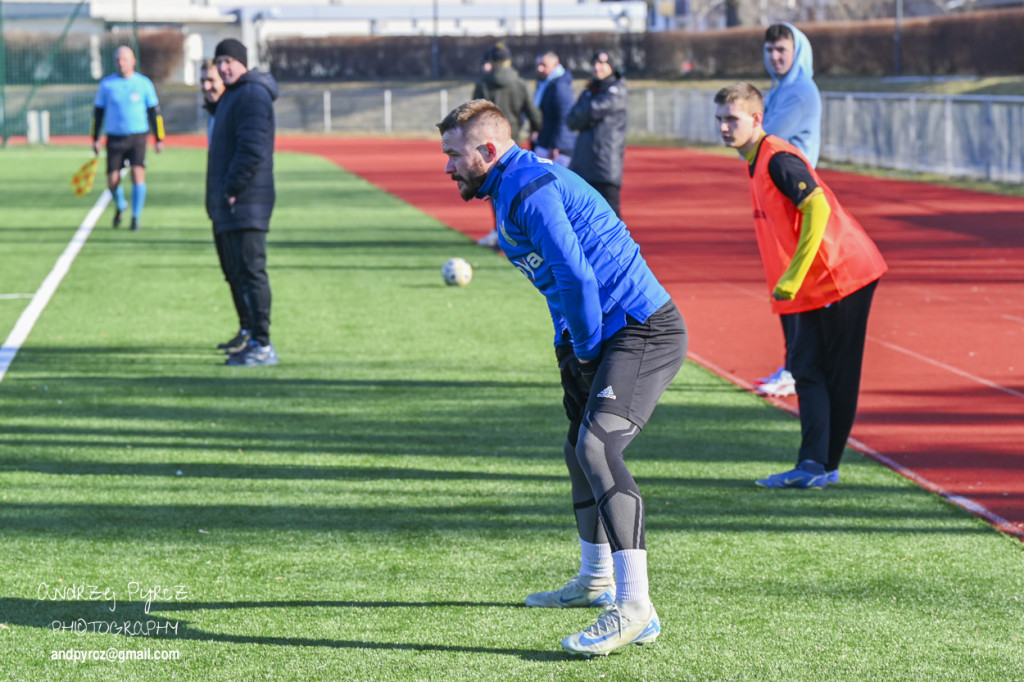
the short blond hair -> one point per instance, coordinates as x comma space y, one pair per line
743, 93
477, 113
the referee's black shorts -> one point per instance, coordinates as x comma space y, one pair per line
638, 363
122, 149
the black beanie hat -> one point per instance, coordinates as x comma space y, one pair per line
229, 47
499, 53
603, 57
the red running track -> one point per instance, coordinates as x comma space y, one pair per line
942, 397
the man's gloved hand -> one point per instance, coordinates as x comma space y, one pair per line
575, 389
588, 369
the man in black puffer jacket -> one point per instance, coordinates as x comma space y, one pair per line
240, 189
600, 116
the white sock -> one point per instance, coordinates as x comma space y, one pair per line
596, 560
631, 576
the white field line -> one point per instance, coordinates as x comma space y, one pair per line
35, 308
959, 500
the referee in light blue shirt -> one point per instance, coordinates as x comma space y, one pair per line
126, 102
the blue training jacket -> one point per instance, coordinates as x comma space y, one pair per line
566, 239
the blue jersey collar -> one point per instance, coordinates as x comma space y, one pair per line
490, 186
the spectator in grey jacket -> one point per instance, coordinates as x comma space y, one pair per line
600, 116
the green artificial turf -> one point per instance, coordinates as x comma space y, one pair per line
377, 506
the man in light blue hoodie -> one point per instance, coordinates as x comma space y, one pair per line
792, 111
792, 107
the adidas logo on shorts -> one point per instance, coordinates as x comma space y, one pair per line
607, 393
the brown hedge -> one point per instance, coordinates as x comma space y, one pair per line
976, 43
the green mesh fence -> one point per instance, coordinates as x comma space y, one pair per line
54, 71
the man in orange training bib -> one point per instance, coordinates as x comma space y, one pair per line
821, 266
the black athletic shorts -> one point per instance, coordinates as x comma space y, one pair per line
638, 363
122, 149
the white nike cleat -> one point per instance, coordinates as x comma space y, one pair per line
490, 240
579, 592
614, 630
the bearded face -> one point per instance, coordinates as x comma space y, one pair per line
466, 165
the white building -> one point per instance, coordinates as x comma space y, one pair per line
206, 22
318, 18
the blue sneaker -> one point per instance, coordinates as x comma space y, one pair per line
254, 355
832, 476
796, 478
774, 376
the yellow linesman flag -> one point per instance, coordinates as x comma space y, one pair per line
81, 181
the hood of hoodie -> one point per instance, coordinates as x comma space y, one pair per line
501, 76
259, 78
803, 60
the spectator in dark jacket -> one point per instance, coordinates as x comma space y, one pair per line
554, 98
240, 189
213, 89
503, 86
600, 116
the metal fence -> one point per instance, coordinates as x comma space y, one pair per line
970, 136
974, 136
978, 137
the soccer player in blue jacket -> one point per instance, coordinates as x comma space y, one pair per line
127, 103
619, 341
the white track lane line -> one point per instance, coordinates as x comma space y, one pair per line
948, 368
35, 308
749, 291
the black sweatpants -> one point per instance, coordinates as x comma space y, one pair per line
788, 321
825, 357
221, 241
245, 257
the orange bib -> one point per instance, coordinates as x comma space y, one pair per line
847, 259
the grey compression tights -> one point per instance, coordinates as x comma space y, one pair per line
605, 497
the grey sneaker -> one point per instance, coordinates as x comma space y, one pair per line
254, 355
579, 592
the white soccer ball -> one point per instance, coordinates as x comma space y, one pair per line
457, 272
